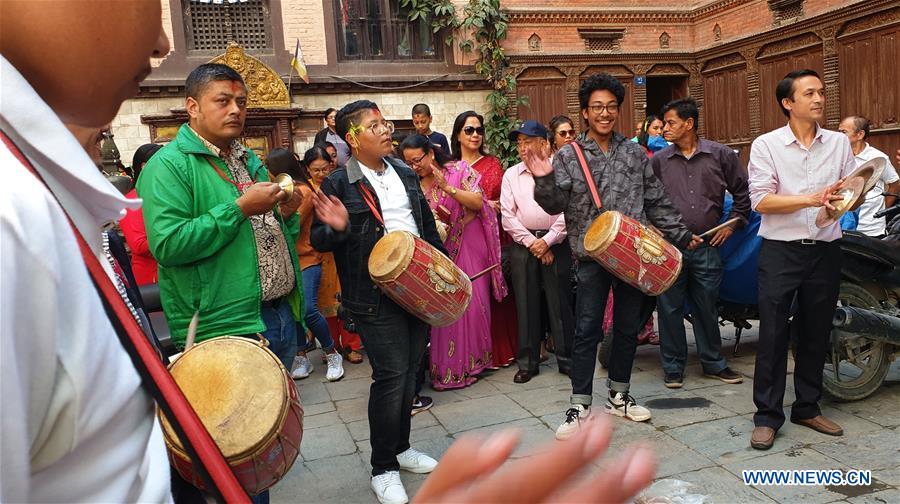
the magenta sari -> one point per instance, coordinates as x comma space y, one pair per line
462, 350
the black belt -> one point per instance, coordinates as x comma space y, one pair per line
806, 241
273, 303
539, 233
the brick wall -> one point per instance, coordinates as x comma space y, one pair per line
127, 129
305, 19
445, 106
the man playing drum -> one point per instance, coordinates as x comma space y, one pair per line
625, 182
376, 194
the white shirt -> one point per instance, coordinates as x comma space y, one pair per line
780, 164
874, 203
77, 427
395, 207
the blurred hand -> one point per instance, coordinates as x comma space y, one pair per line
331, 211
538, 247
495, 204
547, 258
538, 162
827, 195
260, 198
439, 179
696, 241
721, 236
470, 471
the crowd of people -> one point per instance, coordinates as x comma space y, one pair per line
236, 253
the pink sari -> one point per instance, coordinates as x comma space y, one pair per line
462, 350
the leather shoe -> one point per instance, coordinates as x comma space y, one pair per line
762, 438
522, 376
820, 424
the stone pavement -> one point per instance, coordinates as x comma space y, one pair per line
701, 432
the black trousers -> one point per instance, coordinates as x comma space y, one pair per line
630, 312
812, 273
533, 285
395, 342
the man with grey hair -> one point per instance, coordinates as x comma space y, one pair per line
857, 130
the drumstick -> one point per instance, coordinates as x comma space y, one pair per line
482, 272
723, 225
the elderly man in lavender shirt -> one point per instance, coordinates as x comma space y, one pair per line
696, 172
794, 171
540, 261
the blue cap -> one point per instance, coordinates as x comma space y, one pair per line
530, 128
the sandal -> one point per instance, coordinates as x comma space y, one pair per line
354, 357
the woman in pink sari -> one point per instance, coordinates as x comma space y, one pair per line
462, 350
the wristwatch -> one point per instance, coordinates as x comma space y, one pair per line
453, 190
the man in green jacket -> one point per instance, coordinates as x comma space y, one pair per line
210, 212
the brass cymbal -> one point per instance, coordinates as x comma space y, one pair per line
852, 191
286, 182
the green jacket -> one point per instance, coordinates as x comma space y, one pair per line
204, 245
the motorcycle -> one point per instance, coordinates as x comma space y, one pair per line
866, 335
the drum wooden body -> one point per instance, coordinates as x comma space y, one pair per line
420, 278
249, 405
633, 252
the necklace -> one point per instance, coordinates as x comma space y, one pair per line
379, 178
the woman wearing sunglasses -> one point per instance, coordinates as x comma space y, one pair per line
467, 144
462, 350
563, 132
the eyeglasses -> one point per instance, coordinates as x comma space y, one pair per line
379, 129
566, 133
470, 130
598, 108
417, 161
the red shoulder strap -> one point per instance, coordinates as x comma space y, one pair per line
156, 379
588, 178
370, 201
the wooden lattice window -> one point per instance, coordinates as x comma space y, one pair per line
210, 27
785, 10
603, 40
381, 30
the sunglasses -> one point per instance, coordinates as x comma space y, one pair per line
566, 133
470, 130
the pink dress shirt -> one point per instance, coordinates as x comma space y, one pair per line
780, 164
520, 212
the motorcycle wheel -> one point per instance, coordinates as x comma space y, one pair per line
855, 366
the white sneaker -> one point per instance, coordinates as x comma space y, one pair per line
301, 368
623, 405
574, 416
335, 367
389, 489
414, 461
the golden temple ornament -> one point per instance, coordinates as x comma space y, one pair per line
265, 89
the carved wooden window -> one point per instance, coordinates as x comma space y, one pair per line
785, 10
603, 40
210, 27
381, 30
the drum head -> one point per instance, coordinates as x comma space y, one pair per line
602, 232
391, 256
237, 389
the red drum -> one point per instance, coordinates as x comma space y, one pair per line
420, 278
247, 402
633, 252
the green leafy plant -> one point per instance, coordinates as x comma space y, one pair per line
487, 24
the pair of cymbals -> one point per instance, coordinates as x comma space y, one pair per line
853, 191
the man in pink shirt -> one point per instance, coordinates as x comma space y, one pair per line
794, 171
540, 261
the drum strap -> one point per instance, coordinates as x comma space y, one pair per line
370, 201
156, 379
588, 178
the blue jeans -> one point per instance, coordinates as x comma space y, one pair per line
316, 323
698, 283
281, 330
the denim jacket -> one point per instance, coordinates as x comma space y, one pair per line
352, 246
625, 182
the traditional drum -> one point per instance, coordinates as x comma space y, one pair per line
633, 252
420, 278
249, 405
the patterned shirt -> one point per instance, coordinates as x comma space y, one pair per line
276, 272
624, 181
